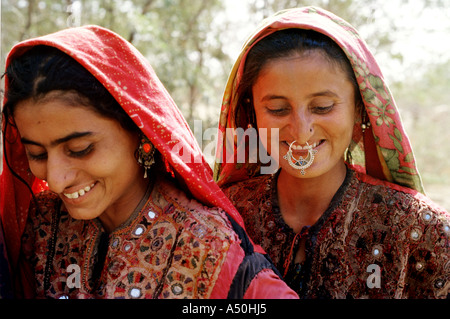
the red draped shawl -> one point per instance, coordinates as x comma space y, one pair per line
130, 79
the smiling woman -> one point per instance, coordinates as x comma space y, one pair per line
66, 143
347, 198
88, 128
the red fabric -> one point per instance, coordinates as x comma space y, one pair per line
235, 256
130, 79
373, 166
265, 285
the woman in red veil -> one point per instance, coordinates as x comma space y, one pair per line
95, 202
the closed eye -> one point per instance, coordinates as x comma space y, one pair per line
75, 154
322, 109
278, 111
38, 157
83, 152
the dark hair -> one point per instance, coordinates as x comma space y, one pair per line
281, 44
45, 69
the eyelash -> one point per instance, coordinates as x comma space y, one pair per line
316, 109
276, 111
39, 157
323, 109
78, 154
82, 153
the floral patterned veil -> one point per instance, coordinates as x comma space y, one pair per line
382, 151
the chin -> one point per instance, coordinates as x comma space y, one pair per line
313, 171
82, 214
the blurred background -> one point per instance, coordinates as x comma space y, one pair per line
192, 45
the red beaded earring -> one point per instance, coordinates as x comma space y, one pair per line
145, 154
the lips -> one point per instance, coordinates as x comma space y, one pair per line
79, 193
305, 147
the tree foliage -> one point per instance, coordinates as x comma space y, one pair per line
175, 35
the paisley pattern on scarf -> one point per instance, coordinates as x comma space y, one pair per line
369, 226
171, 248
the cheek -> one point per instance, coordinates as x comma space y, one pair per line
115, 161
38, 169
341, 128
110, 164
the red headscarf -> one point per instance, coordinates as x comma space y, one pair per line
130, 79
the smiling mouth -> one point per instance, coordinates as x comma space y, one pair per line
306, 147
80, 192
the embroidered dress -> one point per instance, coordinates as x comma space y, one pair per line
380, 236
369, 223
178, 244
170, 247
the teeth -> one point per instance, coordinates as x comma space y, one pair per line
79, 193
306, 147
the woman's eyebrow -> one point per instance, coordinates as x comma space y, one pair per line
327, 93
270, 97
323, 93
59, 140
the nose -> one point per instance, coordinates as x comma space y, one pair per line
59, 174
302, 127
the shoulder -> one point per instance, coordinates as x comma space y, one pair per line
228, 252
399, 197
206, 223
416, 225
396, 228
419, 229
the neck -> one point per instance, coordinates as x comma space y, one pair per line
119, 213
303, 200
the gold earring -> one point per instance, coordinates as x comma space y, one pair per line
145, 154
364, 126
365, 123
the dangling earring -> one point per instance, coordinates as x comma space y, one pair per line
145, 154
365, 124
250, 112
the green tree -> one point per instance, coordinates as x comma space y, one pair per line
175, 35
